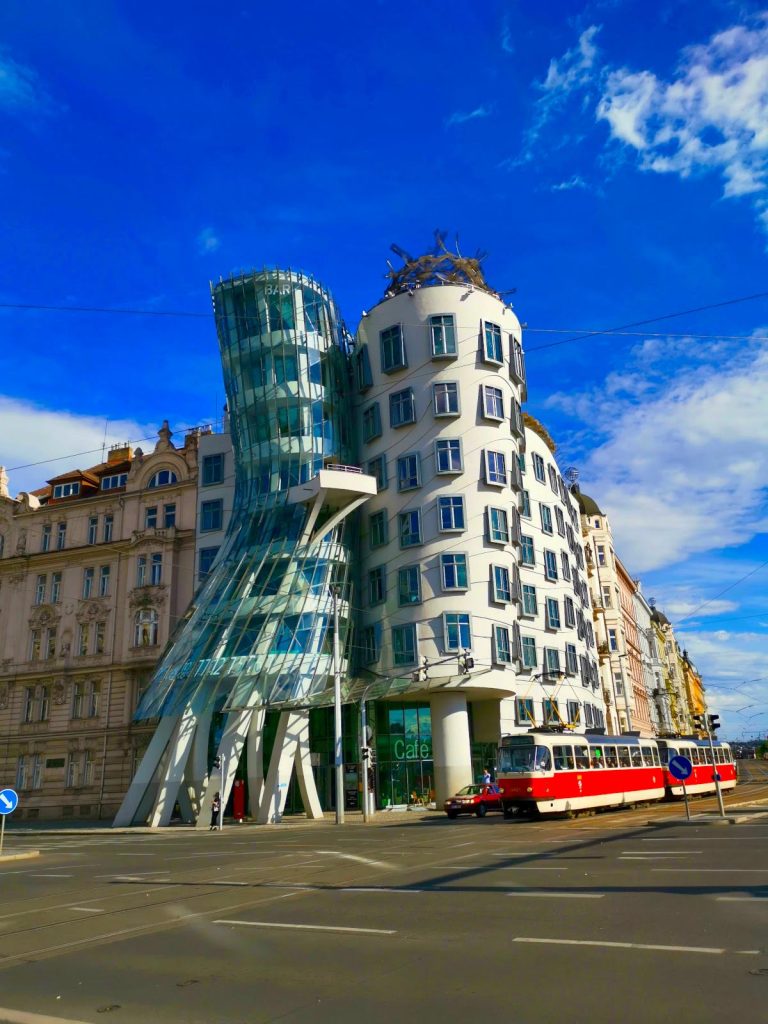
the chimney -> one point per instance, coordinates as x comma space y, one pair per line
119, 453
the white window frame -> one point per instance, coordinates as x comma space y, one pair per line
406, 457
501, 594
459, 647
449, 442
436, 329
492, 474
396, 399
444, 585
502, 645
447, 501
526, 594
445, 385
550, 565
545, 512
492, 395
413, 573
401, 629
495, 333
393, 366
528, 646
503, 512
410, 512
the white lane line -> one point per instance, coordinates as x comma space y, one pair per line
523, 853
311, 927
357, 859
87, 910
22, 1017
622, 945
49, 876
559, 896
748, 952
518, 867
742, 899
719, 871
362, 888
654, 852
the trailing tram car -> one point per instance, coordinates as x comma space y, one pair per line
560, 772
698, 753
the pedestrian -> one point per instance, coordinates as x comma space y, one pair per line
486, 776
215, 808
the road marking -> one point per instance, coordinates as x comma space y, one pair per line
652, 853
517, 867
311, 927
87, 910
359, 860
559, 896
31, 875
622, 945
748, 952
742, 899
361, 888
21, 1017
719, 871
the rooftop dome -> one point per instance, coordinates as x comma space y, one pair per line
658, 616
588, 506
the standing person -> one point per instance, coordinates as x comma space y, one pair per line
215, 808
486, 776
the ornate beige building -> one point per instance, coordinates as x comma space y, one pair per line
96, 569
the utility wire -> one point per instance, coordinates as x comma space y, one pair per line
720, 593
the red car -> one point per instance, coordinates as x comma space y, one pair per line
474, 800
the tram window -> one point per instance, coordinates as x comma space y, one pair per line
624, 760
695, 759
610, 758
666, 753
720, 755
647, 757
656, 760
637, 757
543, 761
597, 757
582, 757
706, 755
563, 758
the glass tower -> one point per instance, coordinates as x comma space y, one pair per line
259, 631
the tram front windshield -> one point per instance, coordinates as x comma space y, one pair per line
524, 759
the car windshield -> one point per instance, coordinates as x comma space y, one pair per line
523, 759
469, 791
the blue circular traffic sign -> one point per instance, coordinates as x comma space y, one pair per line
680, 767
9, 801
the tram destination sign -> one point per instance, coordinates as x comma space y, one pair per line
680, 767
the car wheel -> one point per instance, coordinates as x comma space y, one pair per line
452, 814
481, 810
509, 812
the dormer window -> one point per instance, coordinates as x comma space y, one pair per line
66, 490
109, 483
163, 478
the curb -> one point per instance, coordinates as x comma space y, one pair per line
27, 855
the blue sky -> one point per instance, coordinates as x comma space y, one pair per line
611, 157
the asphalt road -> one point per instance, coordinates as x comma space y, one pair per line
601, 919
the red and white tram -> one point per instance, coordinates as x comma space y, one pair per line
553, 772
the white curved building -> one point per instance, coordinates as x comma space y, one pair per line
559, 680
441, 376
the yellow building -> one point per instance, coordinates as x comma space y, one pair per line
694, 687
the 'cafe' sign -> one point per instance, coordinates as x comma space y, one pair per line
411, 750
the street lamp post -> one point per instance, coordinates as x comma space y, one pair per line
338, 749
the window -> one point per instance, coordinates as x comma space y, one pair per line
570, 612
205, 560
498, 526
145, 628
50, 642
21, 772
99, 638
528, 644
495, 469
378, 468
211, 515
150, 517
517, 362
408, 472
61, 536
363, 368
79, 769
457, 631
45, 704
104, 573
502, 652
378, 529
369, 645
551, 661
445, 397
377, 585
402, 408
613, 644
45, 539
607, 596
525, 504
450, 513
493, 403
502, 591
141, 571
34, 644
538, 467
560, 520
93, 529
66, 490
552, 717
546, 518
29, 704
371, 422
571, 660
107, 528
552, 478
83, 638
552, 613
527, 553
443, 336
550, 565
88, 575
392, 349
410, 528
109, 483
213, 469
601, 554
169, 516
404, 644
530, 604
409, 585
448, 457
163, 478
156, 571
517, 424
521, 462
524, 711
493, 351
566, 565
85, 703
40, 587
453, 570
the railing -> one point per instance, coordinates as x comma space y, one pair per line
337, 466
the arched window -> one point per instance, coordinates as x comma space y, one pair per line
163, 478
145, 628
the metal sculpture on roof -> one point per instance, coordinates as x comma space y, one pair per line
439, 266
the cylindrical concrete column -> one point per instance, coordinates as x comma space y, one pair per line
450, 744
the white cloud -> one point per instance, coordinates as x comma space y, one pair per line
681, 608
20, 88
31, 434
506, 37
575, 181
473, 115
208, 241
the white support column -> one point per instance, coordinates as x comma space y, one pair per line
255, 758
291, 748
450, 744
145, 773
197, 768
173, 772
230, 749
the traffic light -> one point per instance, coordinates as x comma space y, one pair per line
366, 753
700, 722
714, 722
466, 662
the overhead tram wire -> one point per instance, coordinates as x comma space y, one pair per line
725, 590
